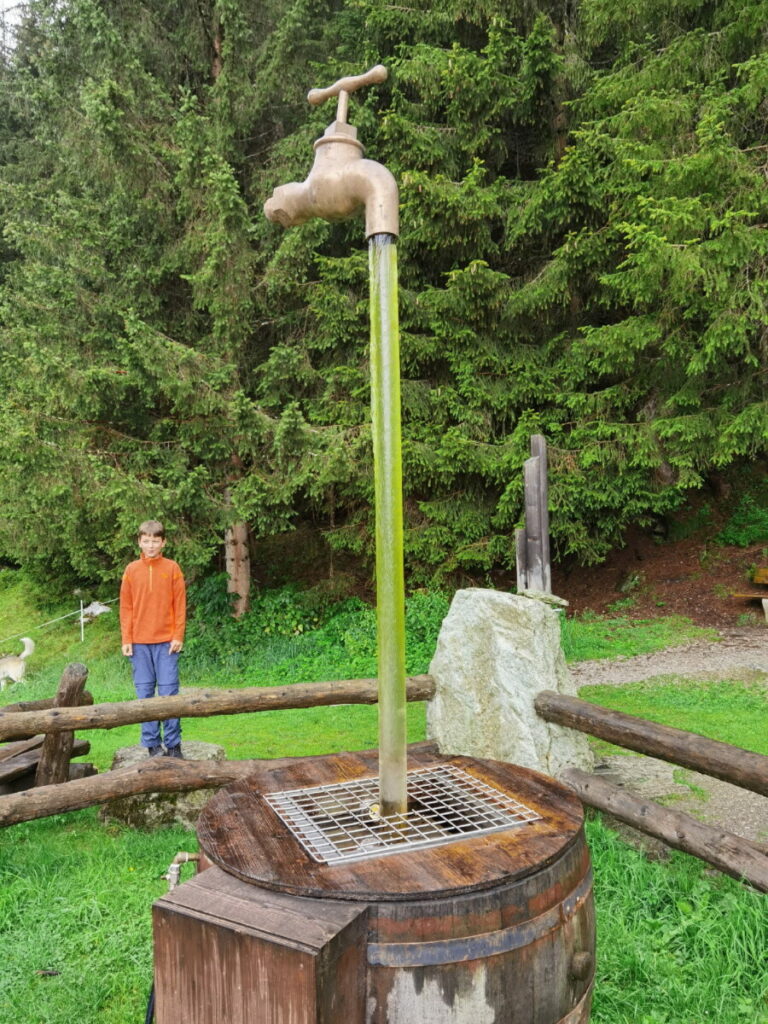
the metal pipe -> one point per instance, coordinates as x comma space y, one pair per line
173, 874
390, 584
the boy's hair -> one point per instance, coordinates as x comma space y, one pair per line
151, 528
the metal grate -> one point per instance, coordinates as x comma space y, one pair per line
340, 822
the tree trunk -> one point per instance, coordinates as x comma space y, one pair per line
238, 565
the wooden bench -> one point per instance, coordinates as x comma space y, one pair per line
760, 576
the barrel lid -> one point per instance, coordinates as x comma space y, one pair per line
240, 832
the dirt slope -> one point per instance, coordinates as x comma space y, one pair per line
693, 577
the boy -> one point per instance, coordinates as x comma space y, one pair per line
153, 615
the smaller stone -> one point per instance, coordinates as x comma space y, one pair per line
156, 810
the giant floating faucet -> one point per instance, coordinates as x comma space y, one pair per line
341, 184
341, 181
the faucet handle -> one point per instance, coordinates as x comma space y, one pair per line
345, 86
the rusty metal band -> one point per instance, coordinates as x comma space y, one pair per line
580, 1013
479, 947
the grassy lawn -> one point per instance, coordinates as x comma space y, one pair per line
728, 710
677, 944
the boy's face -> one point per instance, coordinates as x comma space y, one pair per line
151, 546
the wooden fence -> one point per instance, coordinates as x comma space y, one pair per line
730, 853
32, 725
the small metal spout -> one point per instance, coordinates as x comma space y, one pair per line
341, 182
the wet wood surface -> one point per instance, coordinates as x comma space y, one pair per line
230, 952
239, 831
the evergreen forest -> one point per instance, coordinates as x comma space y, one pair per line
582, 254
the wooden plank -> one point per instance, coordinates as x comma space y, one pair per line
729, 853
15, 782
27, 760
21, 747
56, 751
202, 703
760, 576
227, 951
711, 757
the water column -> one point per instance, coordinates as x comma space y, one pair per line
390, 586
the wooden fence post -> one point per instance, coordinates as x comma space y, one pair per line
534, 571
57, 747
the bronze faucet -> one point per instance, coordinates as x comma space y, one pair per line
341, 182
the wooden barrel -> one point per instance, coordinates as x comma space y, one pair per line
493, 929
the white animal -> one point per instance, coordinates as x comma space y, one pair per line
13, 666
94, 609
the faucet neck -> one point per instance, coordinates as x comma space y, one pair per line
341, 132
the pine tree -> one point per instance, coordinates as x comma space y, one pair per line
582, 255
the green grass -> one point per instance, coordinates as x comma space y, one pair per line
731, 711
676, 943
596, 636
75, 906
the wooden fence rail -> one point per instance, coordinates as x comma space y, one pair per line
155, 775
710, 757
730, 853
202, 703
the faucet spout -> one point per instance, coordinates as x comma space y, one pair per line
340, 183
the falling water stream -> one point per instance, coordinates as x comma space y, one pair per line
390, 587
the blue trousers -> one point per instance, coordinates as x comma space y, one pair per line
156, 671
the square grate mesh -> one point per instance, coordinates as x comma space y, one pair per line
340, 823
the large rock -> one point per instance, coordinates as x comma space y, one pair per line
495, 652
153, 810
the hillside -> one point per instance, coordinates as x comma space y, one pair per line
695, 577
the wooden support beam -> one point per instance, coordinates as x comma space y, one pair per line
689, 750
729, 853
56, 752
202, 703
42, 705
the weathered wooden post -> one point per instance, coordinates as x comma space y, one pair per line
57, 747
534, 571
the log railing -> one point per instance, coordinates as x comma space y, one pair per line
203, 703
730, 853
58, 723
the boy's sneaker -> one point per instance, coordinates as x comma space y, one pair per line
155, 751
174, 752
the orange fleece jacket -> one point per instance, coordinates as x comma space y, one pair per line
153, 601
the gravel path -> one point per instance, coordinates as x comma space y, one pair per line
739, 654
738, 651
